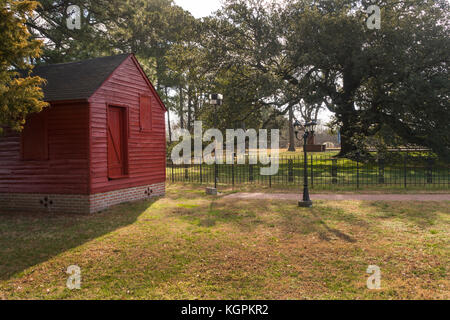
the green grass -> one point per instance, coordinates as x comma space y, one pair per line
325, 173
191, 246
342, 189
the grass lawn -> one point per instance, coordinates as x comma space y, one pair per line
190, 246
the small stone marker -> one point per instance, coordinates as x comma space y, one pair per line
211, 191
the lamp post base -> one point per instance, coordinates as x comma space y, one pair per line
211, 191
305, 204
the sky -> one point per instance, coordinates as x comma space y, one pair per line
199, 8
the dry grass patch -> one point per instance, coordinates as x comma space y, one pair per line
192, 246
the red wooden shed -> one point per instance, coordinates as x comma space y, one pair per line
101, 142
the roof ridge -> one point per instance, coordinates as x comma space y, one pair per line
80, 61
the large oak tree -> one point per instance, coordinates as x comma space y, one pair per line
322, 52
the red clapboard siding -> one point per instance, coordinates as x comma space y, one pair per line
34, 142
76, 146
146, 149
66, 169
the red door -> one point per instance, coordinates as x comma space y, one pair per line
116, 143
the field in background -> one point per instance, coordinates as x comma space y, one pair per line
192, 246
413, 170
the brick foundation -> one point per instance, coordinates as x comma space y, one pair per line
82, 204
101, 201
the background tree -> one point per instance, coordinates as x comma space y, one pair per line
275, 59
49, 23
20, 94
322, 53
247, 42
147, 28
396, 76
187, 69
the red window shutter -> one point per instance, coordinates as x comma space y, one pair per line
145, 113
35, 137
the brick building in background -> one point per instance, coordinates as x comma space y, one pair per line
100, 143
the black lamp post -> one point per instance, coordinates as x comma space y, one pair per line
309, 127
215, 99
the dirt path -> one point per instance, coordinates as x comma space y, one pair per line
334, 197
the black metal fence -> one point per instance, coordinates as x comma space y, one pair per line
324, 171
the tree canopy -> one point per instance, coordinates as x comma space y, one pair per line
20, 94
269, 59
321, 52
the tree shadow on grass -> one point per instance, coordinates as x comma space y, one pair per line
28, 239
421, 214
324, 234
206, 214
315, 221
248, 215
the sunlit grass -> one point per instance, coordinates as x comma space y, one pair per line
191, 246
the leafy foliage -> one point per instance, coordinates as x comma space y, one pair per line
20, 94
385, 87
321, 52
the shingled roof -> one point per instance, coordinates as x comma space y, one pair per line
77, 80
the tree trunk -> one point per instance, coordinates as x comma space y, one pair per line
347, 132
196, 105
189, 121
181, 107
346, 146
311, 139
168, 118
291, 130
169, 127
